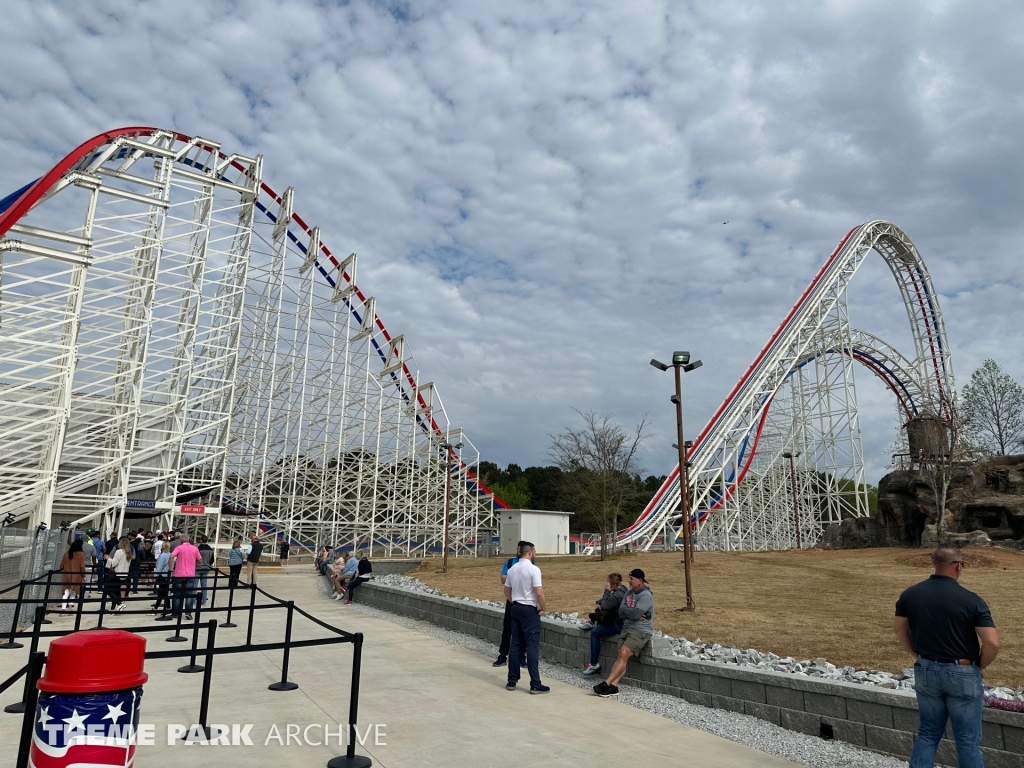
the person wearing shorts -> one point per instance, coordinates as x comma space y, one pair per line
637, 614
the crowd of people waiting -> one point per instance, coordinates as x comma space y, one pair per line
345, 571
174, 569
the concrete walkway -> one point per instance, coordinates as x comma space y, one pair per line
433, 704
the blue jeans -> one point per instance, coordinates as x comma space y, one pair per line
183, 587
953, 691
201, 575
599, 631
525, 632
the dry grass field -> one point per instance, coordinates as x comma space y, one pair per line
806, 604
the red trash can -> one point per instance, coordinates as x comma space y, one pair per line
88, 710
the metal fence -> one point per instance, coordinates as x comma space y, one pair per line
27, 555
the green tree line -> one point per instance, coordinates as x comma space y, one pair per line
544, 488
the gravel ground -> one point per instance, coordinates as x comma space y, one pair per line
759, 734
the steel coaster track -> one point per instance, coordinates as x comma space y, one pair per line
207, 161
728, 444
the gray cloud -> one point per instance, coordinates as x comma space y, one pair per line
536, 190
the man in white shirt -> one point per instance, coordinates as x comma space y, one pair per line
523, 588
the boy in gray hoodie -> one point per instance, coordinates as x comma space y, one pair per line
637, 614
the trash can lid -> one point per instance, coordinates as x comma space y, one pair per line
93, 661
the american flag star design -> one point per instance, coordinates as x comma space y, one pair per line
86, 731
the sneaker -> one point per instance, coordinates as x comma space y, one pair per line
539, 689
586, 626
601, 687
348, 602
510, 687
591, 669
188, 617
337, 596
610, 692
501, 661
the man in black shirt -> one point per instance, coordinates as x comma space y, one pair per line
940, 623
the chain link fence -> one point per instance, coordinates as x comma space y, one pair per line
26, 555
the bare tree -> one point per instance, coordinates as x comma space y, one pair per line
599, 463
993, 408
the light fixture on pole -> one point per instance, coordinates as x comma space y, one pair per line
681, 364
796, 507
447, 448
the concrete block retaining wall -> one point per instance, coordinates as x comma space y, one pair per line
384, 567
873, 718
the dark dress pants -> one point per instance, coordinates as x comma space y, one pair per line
506, 630
525, 632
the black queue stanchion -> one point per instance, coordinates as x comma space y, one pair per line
252, 612
192, 666
350, 758
177, 637
103, 608
213, 593
28, 723
231, 599
19, 706
204, 701
11, 644
46, 597
79, 607
286, 684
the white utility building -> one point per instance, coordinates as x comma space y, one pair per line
548, 531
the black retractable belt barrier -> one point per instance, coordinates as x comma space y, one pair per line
231, 600
252, 612
351, 759
11, 644
33, 670
285, 684
19, 706
177, 637
28, 723
192, 666
46, 597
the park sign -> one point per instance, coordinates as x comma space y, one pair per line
140, 504
192, 509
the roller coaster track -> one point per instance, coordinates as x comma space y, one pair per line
174, 335
799, 397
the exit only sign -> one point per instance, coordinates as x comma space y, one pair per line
192, 509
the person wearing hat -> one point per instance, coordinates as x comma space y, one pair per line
637, 613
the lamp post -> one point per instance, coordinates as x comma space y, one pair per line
681, 364
796, 507
447, 448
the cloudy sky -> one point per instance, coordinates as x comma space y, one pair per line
537, 191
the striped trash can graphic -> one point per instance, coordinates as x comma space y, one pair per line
90, 693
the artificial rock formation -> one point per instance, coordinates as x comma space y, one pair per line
985, 503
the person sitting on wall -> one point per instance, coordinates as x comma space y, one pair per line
337, 568
605, 619
363, 570
637, 613
323, 560
347, 574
